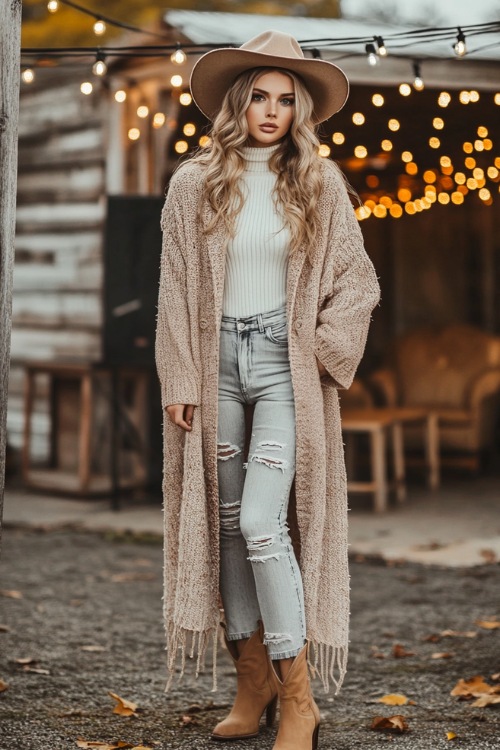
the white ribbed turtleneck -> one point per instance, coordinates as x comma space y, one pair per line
257, 257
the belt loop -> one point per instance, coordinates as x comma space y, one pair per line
261, 325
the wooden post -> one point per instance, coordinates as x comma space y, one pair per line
10, 51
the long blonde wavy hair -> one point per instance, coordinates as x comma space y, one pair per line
296, 162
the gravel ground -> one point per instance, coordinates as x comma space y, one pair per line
81, 589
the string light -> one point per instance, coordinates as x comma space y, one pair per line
134, 134
418, 83
28, 76
53, 6
142, 111
86, 88
371, 52
189, 129
324, 150
460, 46
405, 89
438, 123
381, 48
393, 124
178, 57
185, 99
444, 99
338, 138
159, 120
378, 100
99, 68
176, 81
358, 118
99, 27
120, 96
360, 152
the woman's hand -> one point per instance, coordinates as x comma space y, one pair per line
181, 415
321, 368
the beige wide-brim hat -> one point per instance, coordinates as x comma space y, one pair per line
215, 71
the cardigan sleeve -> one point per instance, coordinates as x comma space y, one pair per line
173, 347
352, 293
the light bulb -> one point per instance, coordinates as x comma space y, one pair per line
28, 75
99, 68
86, 88
460, 46
178, 57
372, 54
99, 27
53, 6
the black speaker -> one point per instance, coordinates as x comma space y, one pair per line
131, 277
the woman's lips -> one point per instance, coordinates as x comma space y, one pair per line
268, 128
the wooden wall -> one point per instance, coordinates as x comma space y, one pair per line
57, 309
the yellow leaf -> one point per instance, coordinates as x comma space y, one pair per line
396, 722
486, 700
472, 687
442, 655
450, 735
3, 686
101, 745
399, 651
488, 624
123, 707
458, 633
393, 699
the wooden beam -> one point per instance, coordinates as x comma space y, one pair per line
10, 51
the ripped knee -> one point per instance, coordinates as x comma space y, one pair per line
227, 450
273, 461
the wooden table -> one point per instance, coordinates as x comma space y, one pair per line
124, 392
380, 424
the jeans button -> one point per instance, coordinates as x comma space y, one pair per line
241, 326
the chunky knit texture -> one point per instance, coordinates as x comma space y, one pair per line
257, 257
329, 304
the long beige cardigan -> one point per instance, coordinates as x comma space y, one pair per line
329, 305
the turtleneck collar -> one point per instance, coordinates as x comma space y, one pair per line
257, 158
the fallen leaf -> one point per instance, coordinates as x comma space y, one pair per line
141, 747
376, 654
486, 700
399, 651
123, 707
442, 655
489, 555
3, 686
186, 720
492, 624
27, 660
36, 670
102, 745
458, 633
495, 677
396, 722
393, 699
451, 736
4, 629
93, 648
471, 688
11, 594
433, 638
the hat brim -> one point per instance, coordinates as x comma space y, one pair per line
214, 72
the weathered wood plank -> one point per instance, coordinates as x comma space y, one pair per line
70, 277
10, 39
40, 108
83, 184
61, 247
61, 214
57, 310
28, 343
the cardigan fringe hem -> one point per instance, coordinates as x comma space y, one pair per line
324, 663
178, 639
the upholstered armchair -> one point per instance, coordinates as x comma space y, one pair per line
454, 372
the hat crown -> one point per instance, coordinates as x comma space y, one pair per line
274, 43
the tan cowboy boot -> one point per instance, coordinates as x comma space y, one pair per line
299, 714
256, 690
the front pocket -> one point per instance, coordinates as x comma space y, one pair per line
278, 333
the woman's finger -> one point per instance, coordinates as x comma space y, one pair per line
188, 416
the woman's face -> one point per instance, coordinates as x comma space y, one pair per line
270, 112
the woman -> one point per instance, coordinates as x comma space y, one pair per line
265, 300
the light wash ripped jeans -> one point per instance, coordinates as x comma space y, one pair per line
259, 577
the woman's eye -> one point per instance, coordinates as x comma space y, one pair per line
256, 97
287, 102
